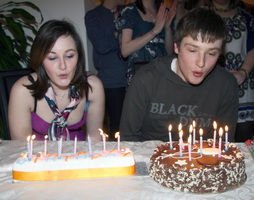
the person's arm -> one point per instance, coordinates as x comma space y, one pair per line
19, 110
134, 111
129, 45
246, 68
96, 109
102, 40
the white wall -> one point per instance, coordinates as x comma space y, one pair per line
73, 10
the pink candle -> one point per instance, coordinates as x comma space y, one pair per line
181, 142
189, 147
194, 131
220, 141
103, 140
45, 146
214, 133
201, 140
60, 143
75, 146
28, 148
226, 138
170, 136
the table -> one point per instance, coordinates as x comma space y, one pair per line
137, 187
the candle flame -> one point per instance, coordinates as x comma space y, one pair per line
220, 131
180, 127
200, 131
226, 128
117, 134
170, 127
101, 131
215, 125
194, 123
46, 137
191, 128
181, 133
28, 138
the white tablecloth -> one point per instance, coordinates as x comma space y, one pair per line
137, 187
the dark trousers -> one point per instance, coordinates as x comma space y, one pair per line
244, 131
114, 98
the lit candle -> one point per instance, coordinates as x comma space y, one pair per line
60, 143
190, 133
226, 138
189, 147
220, 141
28, 148
214, 133
45, 146
103, 140
180, 130
194, 131
117, 135
170, 136
201, 140
31, 143
89, 146
75, 146
181, 142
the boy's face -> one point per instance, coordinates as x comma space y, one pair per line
196, 59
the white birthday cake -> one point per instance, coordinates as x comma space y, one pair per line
99, 164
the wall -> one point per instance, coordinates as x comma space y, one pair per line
72, 10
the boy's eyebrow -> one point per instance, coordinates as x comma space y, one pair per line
190, 44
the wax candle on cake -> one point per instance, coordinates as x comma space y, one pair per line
201, 140
45, 146
170, 136
226, 138
31, 143
220, 140
89, 146
117, 135
194, 131
181, 143
180, 130
75, 146
28, 148
189, 147
214, 133
190, 132
60, 143
103, 140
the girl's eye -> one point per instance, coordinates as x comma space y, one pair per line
70, 56
51, 58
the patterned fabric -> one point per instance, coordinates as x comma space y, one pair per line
58, 127
239, 41
131, 19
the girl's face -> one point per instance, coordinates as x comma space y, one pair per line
61, 62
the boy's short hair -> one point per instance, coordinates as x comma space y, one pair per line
201, 21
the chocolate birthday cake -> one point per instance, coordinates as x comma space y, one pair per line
203, 172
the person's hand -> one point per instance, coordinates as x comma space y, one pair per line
239, 75
160, 19
171, 14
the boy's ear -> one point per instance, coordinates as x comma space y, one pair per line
176, 49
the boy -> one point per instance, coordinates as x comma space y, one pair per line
190, 87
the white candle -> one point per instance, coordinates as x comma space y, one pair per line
31, 143
75, 146
201, 140
60, 143
190, 132
117, 135
103, 140
181, 142
220, 141
189, 147
170, 136
89, 146
45, 146
226, 138
180, 130
214, 133
28, 148
194, 131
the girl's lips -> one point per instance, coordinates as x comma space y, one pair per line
197, 74
63, 76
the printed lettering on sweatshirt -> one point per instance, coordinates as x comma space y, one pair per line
186, 113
